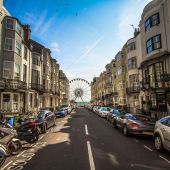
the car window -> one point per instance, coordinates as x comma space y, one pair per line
164, 120
41, 115
139, 117
116, 112
168, 122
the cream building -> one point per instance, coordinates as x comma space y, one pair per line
155, 66
134, 76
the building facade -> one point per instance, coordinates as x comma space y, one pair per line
141, 79
133, 75
155, 66
29, 76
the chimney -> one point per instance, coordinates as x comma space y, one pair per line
27, 33
136, 32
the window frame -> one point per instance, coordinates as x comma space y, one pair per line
16, 74
150, 19
6, 24
7, 45
153, 43
18, 50
7, 69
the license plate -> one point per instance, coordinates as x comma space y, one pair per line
147, 133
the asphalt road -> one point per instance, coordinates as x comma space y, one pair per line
84, 141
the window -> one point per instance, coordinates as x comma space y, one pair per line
9, 44
121, 70
25, 73
153, 43
133, 80
15, 101
6, 102
121, 85
152, 21
17, 72
10, 23
35, 100
25, 53
18, 48
158, 71
18, 28
36, 59
132, 64
131, 46
7, 70
35, 77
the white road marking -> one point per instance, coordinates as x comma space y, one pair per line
91, 161
135, 140
21, 153
148, 148
6, 165
164, 159
41, 137
86, 130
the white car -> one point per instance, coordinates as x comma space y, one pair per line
104, 111
162, 134
95, 108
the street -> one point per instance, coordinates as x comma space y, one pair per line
84, 141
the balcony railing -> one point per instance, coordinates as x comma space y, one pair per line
11, 84
135, 89
37, 87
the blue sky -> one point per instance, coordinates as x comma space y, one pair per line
83, 35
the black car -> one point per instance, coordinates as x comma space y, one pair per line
45, 120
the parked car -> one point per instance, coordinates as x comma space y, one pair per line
45, 120
162, 134
135, 124
62, 112
103, 111
95, 108
112, 114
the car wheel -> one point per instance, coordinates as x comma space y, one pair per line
114, 124
158, 143
125, 130
44, 128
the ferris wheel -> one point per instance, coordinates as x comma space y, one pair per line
80, 90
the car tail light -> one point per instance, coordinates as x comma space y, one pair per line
133, 124
33, 124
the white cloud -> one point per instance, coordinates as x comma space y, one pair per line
54, 46
88, 50
130, 15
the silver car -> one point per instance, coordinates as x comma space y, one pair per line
162, 134
103, 111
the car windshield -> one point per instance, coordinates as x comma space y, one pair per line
41, 115
119, 112
139, 117
105, 109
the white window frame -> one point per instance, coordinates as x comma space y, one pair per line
6, 25
8, 45
18, 102
10, 101
18, 48
7, 69
19, 74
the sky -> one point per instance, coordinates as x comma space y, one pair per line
83, 35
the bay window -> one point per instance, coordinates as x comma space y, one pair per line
18, 48
6, 101
9, 44
10, 23
152, 21
17, 72
7, 69
153, 43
